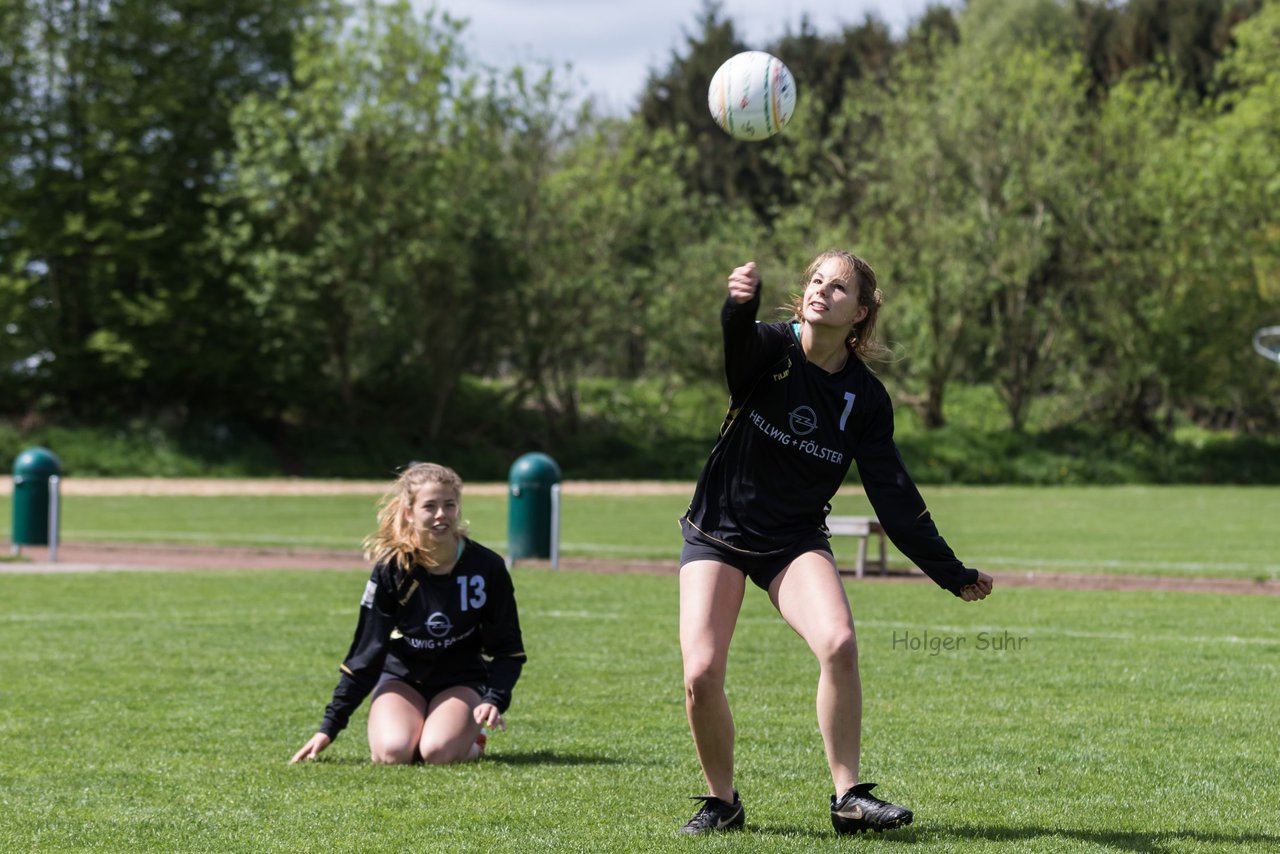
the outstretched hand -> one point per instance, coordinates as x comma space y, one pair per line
312, 748
743, 282
979, 589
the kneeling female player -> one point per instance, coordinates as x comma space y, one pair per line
803, 407
436, 606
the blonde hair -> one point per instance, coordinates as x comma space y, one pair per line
861, 340
396, 538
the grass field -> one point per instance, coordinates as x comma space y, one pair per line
1223, 531
157, 712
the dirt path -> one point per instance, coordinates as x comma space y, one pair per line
133, 557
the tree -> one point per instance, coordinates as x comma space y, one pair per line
1184, 39
974, 145
1181, 246
915, 237
375, 208
118, 109
1016, 140
676, 100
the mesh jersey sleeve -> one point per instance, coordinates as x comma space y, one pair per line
501, 639
363, 663
901, 509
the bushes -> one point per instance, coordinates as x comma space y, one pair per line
649, 429
143, 448
1078, 456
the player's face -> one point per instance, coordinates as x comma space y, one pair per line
435, 511
831, 296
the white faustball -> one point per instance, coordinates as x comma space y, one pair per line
752, 96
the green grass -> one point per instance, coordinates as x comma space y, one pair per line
1218, 531
156, 712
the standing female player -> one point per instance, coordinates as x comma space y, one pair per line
803, 406
436, 606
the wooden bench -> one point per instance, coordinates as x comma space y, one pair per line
861, 527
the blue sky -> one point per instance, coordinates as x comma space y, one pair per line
612, 44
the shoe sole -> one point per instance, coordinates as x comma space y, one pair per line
735, 823
704, 832
863, 827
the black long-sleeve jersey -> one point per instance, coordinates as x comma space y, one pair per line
786, 446
436, 629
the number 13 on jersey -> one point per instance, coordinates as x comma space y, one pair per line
470, 592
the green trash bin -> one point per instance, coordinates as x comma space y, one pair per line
533, 519
36, 472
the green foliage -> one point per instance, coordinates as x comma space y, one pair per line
141, 448
1059, 448
115, 113
369, 204
205, 684
1078, 456
1184, 189
675, 99
1184, 39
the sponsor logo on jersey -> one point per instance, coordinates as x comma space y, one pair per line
439, 624
790, 440
803, 420
443, 643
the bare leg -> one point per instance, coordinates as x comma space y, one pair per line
812, 600
449, 734
395, 723
710, 599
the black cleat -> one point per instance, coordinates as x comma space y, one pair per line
715, 815
859, 811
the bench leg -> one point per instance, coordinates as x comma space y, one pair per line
884, 560
862, 557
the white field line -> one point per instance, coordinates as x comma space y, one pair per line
1123, 637
934, 629
1034, 632
1270, 569
202, 538
578, 615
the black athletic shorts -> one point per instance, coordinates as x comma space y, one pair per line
761, 569
426, 689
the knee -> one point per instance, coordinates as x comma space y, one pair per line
440, 754
839, 651
434, 754
392, 754
702, 680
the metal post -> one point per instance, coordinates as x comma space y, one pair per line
54, 481
555, 526
15, 548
